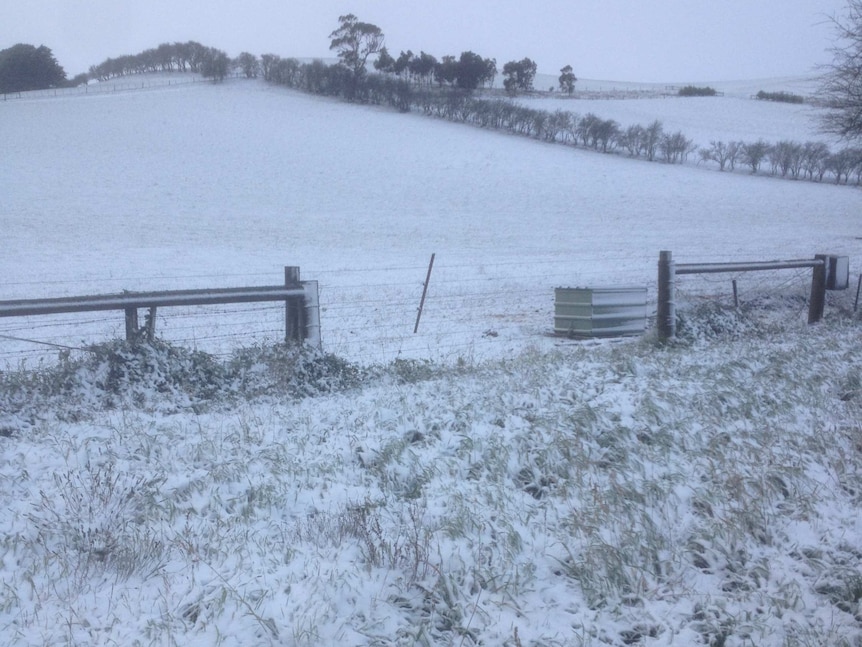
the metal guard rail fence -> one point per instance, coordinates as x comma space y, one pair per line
829, 273
302, 305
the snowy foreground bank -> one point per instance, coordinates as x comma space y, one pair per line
707, 492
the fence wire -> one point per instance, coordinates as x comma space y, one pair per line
368, 315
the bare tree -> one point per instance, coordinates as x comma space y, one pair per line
632, 140
605, 134
841, 85
675, 147
814, 159
754, 153
249, 64
587, 128
652, 136
725, 154
843, 163
267, 63
559, 126
215, 64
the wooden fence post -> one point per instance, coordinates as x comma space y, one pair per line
131, 324
293, 308
817, 302
666, 312
133, 329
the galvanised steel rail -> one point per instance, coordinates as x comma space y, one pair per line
126, 300
824, 265
302, 309
715, 268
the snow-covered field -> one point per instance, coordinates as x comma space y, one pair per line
209, 186
704, 119
521, 490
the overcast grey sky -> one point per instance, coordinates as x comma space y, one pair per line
620, 40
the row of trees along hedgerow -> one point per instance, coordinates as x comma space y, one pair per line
780, 97
790, 159
445, 89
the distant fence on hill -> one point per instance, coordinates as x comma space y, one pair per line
111, 86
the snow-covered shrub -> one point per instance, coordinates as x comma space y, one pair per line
139, 369
289, 369
159, 376
410, 371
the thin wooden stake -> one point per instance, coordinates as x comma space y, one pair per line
858, 287
735, 295
424, 292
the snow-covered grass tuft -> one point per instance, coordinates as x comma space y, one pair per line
279, 369
763, 315
97, 521
620, 493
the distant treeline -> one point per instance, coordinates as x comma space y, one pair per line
694, 91
463, 93
167, 57
788, 159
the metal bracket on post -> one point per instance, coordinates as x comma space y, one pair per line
666, 313
134, 332
150, 325
131, 324
312, 313
823, 277
293, 308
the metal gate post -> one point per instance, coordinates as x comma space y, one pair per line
666, 313
311, 308
293, 310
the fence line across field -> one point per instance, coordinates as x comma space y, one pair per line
487, 305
